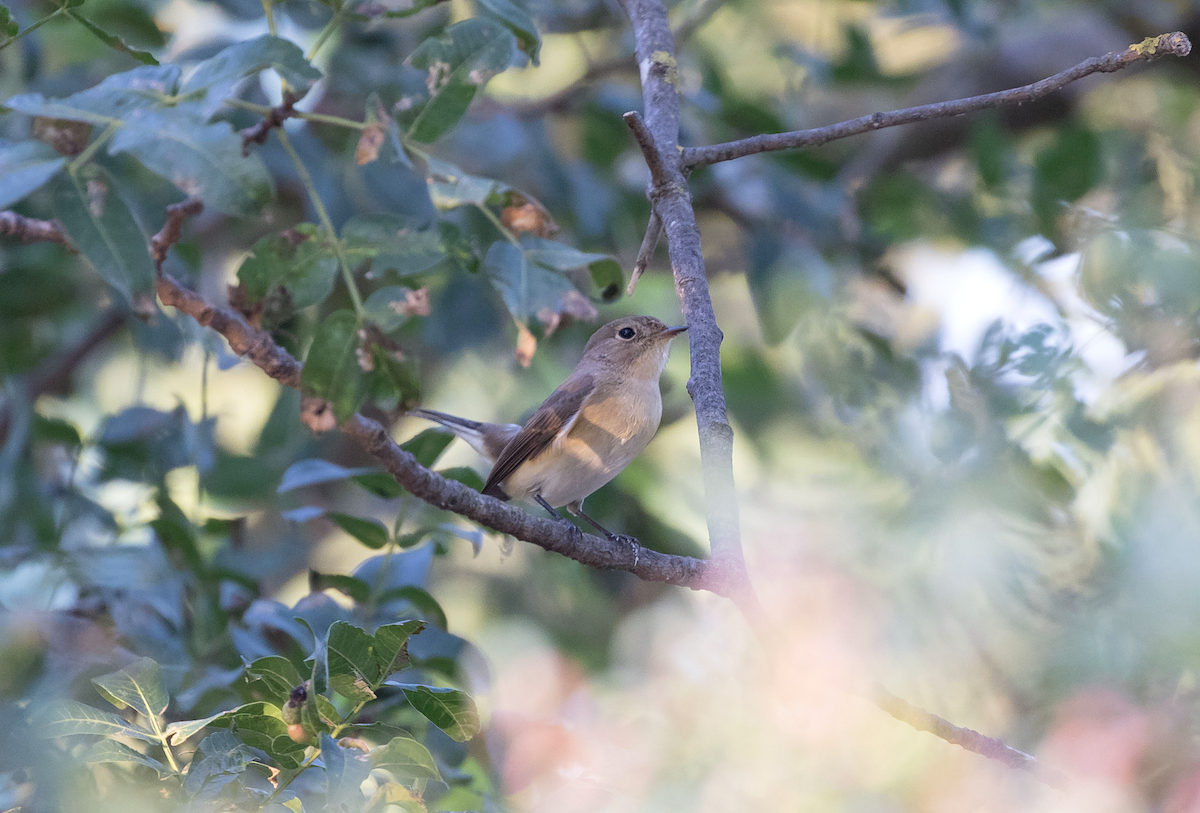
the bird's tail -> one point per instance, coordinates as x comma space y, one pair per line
457, 425
489, 439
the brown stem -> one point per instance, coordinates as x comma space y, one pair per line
646, 252
1174, 44
966, 738
259, 132
172, 230
28, 230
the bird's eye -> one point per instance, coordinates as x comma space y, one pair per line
625, 333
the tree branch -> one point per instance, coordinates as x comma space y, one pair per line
1174, 44
966, 738
28, 230
658, 136
257, 134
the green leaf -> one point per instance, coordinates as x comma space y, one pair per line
345, 770
1063, 172
532, 290
356, 589
138, 686
332, 369
56, 430
100, 225
458, 64
392, 242
371, 532
64, 718
393, 384
351, 658
279, 675
204, 160
109, 102
300, 266
605, 270
116, 751
427, 446
314, 471
391, 646
420, 599
465, 475
219, 74
518, 21
177, 733
381, 484
24, 167
450, 187
8, 26
145, 57
407, 758
449, 709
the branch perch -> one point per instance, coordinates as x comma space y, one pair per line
1173, 44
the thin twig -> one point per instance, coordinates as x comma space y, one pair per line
1174, 44
966, 738
646, 252
275, 118
29, 230
172, 230
645, 140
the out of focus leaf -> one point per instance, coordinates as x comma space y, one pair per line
109, 102
100, 225
138, 686
371, 532
458, 64
392, 242
112, 41
8, 26
1063, 172
298, 266
407, 758
356, 589
345, 770
427, 446
331, 370
381, 484
313, 471
518, 21
24, 167
64, 718
450, 187
531, 290
203, 160
115, 751
218, 75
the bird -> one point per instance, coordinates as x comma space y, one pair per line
589, 429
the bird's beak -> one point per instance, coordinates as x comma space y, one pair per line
672, 332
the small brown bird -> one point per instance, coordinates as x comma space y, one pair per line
587, 431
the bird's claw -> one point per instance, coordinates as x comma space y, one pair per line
632, 542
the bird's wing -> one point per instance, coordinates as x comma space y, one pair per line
554, 416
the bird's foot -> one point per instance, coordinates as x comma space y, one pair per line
634, 545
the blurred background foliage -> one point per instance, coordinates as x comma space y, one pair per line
960, 359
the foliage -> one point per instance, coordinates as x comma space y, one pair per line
960, 362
